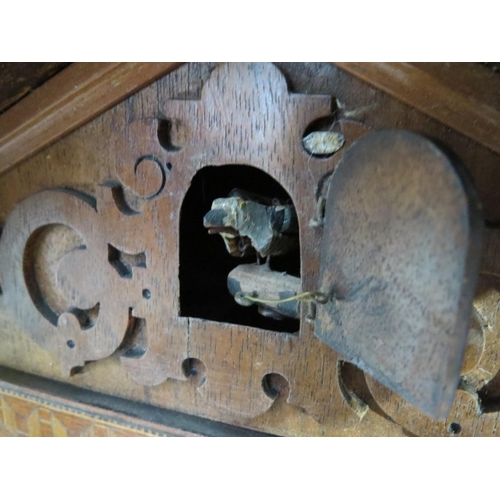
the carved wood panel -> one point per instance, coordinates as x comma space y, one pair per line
91, 250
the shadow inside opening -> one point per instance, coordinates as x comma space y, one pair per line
204, 260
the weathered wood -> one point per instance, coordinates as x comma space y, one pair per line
465, 110
19, 79
67, 101
468, 79
400, 259
473, 412
35, 406
235, 357
28, 412
160, 338
267, 285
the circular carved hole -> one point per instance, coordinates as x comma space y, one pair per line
274, 385
195, 369
169, 166
70, 344
454, 428
146, 293
323, 138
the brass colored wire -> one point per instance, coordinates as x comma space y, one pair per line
301, 297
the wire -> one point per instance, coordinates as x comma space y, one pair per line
318, 297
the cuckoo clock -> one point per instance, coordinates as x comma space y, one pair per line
245, 244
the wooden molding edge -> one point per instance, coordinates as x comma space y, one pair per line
68, 100
31, 405
26, 412
464, 110
84, 90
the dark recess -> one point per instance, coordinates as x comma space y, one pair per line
18, 79
204, 260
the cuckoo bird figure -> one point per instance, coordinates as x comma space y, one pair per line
253, 224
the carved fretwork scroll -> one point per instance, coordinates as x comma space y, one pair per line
90, 273
58, 251
90, 258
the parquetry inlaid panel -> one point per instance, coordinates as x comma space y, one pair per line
24, 412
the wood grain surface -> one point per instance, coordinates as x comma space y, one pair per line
138, 162
401, 249
69, 100
455, 98
17, 80
36, 406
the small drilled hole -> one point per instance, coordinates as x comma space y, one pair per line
146, 293
274, 384
70, 344
454, 428
169, 166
